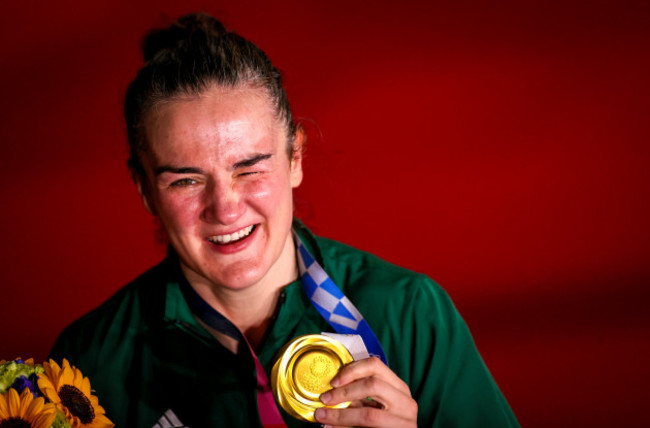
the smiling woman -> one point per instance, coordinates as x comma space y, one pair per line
215, 155
218, 177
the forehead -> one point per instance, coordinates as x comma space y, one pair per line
217, 123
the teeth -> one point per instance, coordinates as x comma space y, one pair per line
224, 239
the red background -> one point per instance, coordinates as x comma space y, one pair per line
502, 149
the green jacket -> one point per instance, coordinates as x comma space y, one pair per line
145, 353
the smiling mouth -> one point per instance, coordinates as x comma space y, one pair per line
232, 237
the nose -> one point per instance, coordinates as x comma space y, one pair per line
223, 203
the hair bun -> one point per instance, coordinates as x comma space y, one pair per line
180, 33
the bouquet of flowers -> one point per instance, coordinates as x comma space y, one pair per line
47, 395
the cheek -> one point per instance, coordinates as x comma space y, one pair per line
178, 212
271, 192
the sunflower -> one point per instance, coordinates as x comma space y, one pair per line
69, 390
25, 411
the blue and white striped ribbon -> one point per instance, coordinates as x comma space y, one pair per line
331, 303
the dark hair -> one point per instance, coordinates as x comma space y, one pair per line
195, 52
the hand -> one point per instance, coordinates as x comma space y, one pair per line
379, 398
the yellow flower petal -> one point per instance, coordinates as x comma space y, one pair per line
94, 400
13, 402
78, 380
35, 407
26, 408
84, 385
45, 419
4, 410
48, 389
52, 370
65, 378
26, 399
74, 421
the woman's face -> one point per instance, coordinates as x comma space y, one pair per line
220, 180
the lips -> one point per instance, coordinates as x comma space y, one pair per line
231, 238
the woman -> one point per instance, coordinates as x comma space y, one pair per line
215, 155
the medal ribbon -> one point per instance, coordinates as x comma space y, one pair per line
326, 297
331, 303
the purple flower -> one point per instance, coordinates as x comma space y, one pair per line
23, 382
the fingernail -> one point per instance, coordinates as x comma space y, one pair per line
326, 397
335, 382
320, 413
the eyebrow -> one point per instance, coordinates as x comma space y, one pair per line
251, 161
191, 170
177, 170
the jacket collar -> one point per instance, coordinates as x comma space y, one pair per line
293, 304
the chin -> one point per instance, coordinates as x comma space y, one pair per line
237, 277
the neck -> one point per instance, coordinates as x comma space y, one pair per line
251, 308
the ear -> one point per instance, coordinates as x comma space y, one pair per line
296, 158
142, 190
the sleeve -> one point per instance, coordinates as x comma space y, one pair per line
102, 351
449, 379
73, 345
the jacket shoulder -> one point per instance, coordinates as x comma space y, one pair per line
124, 314
357, 268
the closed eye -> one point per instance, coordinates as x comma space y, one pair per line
251, 166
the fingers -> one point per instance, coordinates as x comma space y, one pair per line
369, 367
379, 398
381, 392
361, 416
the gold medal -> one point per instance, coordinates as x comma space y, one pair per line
303, 372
